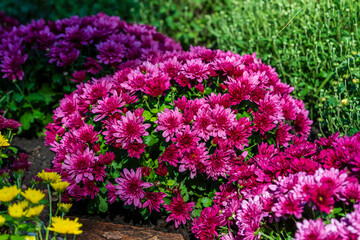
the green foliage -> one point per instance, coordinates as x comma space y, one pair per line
339, 104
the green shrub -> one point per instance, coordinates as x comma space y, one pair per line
339, 104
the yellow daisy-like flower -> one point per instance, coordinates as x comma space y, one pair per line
65, 226
9, 193
15, 211
60, 186
33, 195
2, 220
24, 204
49, 176
64, 207
35, 211
3, 141
30, 238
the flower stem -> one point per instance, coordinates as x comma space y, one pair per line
50, 213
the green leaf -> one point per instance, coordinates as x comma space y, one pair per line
146, 114
4, 237
150, 140
153, 119
170, 182
26, 120
207, 202
154, 110
103, 205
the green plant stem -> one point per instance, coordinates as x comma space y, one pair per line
267, 236
50, 211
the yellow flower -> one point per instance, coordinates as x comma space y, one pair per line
35, 211
64, 207
65, 226
345, 102
60, 186
24, 204
30, 238
2, 220
9, 193
3, 141
16, 211
33, 195
49, 176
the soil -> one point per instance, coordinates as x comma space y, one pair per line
41, 157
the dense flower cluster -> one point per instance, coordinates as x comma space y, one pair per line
199, 113
321, 178
98, 39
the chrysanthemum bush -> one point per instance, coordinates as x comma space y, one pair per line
308, 191
165, 135
40, 61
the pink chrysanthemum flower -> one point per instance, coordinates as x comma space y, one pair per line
205, 226
283, 135
287, 205
180, 210
157, 84
135, 149
111, 190
170, 155
86, 133
170, 122
194, 160
154, 200
310, 230
223, 120
239, 133
203, 123
271, 106
323, 197
186, 139
108, 106
130, 188
130, 129
218, 164
196, 69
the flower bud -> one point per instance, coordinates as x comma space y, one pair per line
345, 102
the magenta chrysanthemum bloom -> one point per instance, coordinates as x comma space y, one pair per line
154, 200
170, 155
157, 84
223, 120
186, 139
311, 230
130, 129
203, 122
135, 149
194, 160
79, 165
218, 164
205, 226
170, 122
107, 106
196, 69
288, 204
111, 190
239, 133
283, 135
180, 210
323, 197
130, 188
86, 133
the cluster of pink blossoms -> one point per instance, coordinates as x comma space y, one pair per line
206, 109
312, 189
100, 39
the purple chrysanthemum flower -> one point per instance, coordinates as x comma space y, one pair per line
110, 52
154, 200
180, 210
130, 188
